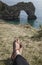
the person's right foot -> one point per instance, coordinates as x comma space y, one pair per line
17, 48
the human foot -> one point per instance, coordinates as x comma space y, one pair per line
17, 48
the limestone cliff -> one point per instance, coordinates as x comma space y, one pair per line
13, 12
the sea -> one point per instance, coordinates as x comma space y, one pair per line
24, 20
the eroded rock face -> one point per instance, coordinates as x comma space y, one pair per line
13, 12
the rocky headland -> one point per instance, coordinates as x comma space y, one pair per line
13, 12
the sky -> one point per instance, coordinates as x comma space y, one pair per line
37, 4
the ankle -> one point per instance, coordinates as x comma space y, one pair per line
17, 52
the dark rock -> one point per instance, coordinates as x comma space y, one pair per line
13, 12
32, 17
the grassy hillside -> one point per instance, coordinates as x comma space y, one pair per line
31, 40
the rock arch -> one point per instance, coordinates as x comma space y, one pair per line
13, 12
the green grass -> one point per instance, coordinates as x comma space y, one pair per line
32, 44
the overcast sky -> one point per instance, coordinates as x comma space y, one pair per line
16, 1
37, 3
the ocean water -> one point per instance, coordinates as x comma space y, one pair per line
34, 23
